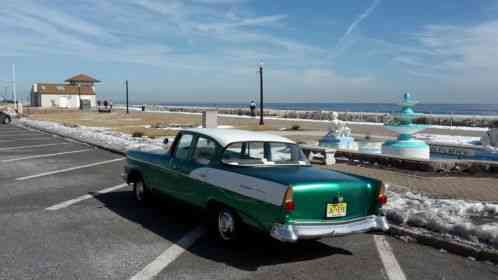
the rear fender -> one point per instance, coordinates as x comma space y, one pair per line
246, 218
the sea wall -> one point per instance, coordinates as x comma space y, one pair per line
444, 120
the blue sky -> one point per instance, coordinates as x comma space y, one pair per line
208, 50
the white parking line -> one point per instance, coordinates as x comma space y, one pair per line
32, 146
83, 197
18, 134
68, 169
34, 138
391, 265
46, 155
169, 255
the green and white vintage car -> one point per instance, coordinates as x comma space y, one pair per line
257, 179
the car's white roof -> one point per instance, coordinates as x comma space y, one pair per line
225, 136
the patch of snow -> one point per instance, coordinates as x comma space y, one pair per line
100, 136
473, 221
491, 149
174, 128
449, 139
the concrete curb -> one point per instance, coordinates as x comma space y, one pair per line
466, 249
98, 145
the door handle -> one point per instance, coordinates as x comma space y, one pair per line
202, 175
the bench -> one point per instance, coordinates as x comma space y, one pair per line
326, 155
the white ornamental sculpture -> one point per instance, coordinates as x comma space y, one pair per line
339, 135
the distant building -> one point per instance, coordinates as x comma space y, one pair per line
76, 90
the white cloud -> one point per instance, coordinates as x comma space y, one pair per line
218, 42
456, 50
23, 11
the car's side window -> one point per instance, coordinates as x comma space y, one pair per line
183, 146
255, 150
246, 152
280, 152
204, 151
233, 153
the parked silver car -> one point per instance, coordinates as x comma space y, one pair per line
5, 118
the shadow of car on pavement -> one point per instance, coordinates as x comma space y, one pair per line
171, 219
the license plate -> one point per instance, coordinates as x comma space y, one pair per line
336, 210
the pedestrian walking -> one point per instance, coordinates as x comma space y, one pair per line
252, 106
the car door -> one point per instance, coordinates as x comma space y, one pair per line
203, 159
174, 178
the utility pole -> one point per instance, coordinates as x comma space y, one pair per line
127, 111
79, 96
261, 122
14, 84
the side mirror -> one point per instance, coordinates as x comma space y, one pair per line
165, 141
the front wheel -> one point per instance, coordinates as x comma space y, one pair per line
141, 193
6, 120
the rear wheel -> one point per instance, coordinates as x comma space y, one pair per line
228, 225
6, 120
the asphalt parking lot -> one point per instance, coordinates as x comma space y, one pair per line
66, 214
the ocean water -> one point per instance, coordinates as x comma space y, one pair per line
442, 109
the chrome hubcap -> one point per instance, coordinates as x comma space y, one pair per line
139, 191
226, 225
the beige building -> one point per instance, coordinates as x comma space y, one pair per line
75, 92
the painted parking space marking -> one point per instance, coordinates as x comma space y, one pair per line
15, 130
169, 255
18, 134
46, 155
22, 136
31, 146
33, 138
70, 202
68, 169
19, 131
391, 265
76, 141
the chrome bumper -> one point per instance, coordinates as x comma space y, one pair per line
294, 232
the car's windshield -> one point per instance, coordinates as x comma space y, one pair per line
263, 153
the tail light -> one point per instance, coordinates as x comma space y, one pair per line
382, 197
288, 204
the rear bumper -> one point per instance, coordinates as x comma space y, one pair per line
297, 231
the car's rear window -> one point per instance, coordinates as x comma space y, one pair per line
263, 153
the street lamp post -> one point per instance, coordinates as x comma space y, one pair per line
127, 111
14, 86
261, 122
